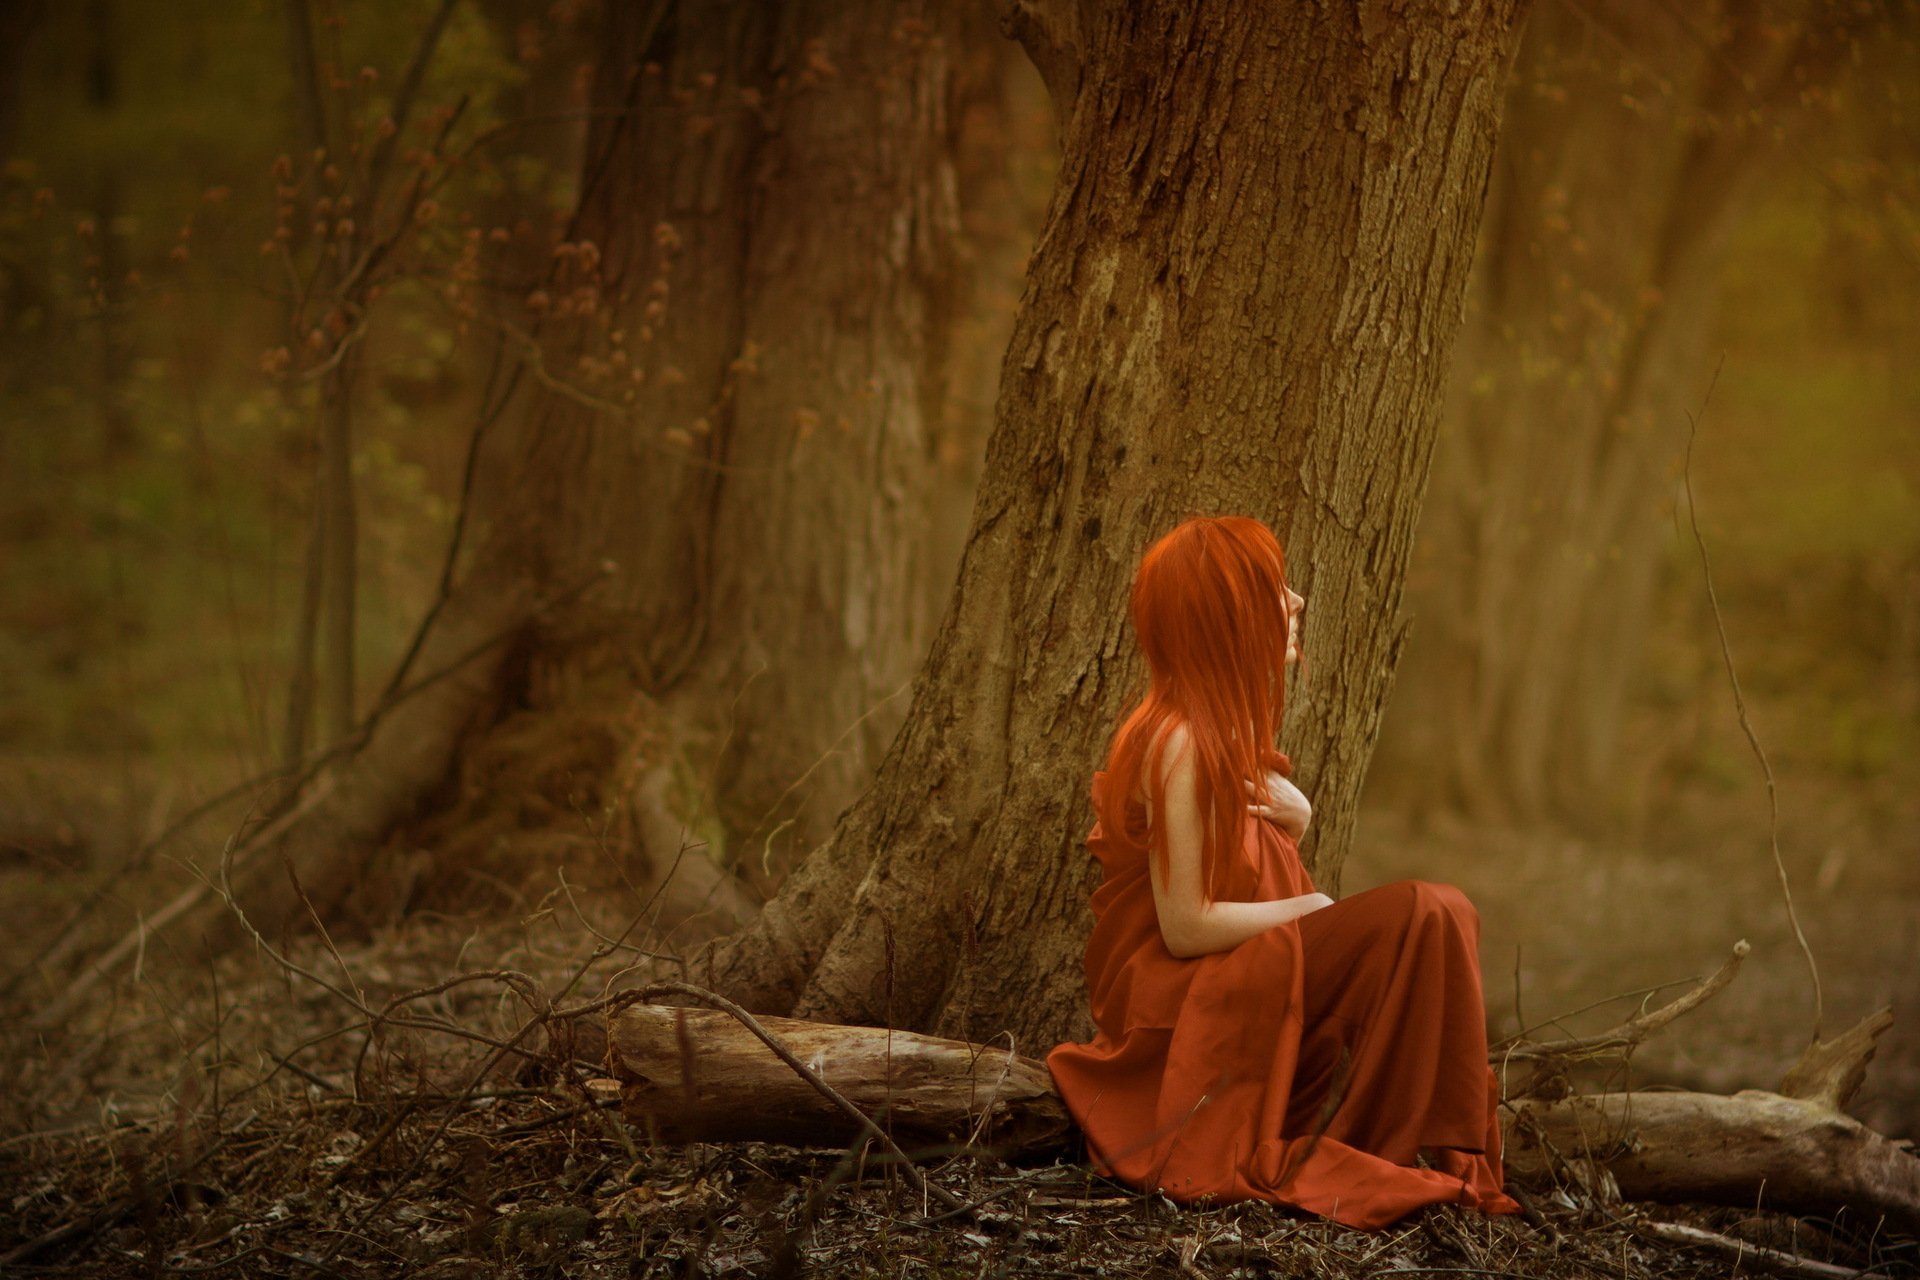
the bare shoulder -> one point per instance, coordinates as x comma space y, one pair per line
1170, 759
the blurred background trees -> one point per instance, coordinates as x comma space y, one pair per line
163, 446
1727, 186
1654, 165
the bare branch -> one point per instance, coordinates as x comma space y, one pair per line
1627, 1034
1774, 1260
1049, 30
403, 99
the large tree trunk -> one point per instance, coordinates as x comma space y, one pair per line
1242, 300
777, 209
706, 526
1630, 147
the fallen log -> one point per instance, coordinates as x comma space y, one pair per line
691, 1075
1751, 1148
696, 1075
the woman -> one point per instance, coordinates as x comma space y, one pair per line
1258, 1040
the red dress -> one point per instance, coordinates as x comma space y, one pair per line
1307, 1066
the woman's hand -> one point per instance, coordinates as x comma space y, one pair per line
1191, 924
1287, 806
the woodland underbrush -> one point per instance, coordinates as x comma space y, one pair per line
432, 1102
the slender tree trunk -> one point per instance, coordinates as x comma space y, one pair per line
1242, 300
111, 266
340, 557
298, 732
1634, 134
18, 19
302, 681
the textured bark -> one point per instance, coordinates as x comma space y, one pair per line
1242, 300
1631, 145
1830, 1072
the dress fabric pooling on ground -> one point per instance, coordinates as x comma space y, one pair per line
1310, 1065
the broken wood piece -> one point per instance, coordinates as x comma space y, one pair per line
697, 1075
1740, 1251
1831, 1071
1784, 1153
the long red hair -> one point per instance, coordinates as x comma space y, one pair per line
1209, 607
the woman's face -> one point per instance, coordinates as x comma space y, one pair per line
1295, 603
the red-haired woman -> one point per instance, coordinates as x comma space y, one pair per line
1258, 1040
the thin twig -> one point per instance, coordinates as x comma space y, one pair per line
402, 104
290, 804
1775, 1260
1635, 1029
1740, 706
86, 1225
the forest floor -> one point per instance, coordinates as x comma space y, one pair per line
243, 1119
254, 1127
531, 1187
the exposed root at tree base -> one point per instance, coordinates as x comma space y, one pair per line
580, 776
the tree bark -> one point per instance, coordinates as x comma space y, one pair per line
1634, 133
1242, 300
722, 458
772, 228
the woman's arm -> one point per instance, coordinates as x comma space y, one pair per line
1190, 924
